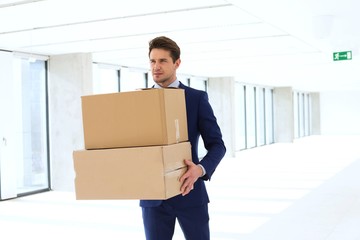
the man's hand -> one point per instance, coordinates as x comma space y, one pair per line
190, 177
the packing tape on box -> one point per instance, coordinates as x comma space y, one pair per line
177, 130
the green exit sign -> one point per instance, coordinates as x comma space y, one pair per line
338, 56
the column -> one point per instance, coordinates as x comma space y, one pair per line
70, 77
221, 96
283, 114
315, 127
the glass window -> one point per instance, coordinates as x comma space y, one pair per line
269, 116
307, 114
198, 83
253, 116
296, 114
132, 79
250, 117
31, 125
260, 116
301, 114
184, 79
302, 118
240, 120
105, 78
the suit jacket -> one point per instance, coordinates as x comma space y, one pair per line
201, 121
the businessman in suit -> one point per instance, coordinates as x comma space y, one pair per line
191, 207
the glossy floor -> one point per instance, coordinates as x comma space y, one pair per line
306, 190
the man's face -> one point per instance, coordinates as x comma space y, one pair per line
163, 68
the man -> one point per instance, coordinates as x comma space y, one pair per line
191, 207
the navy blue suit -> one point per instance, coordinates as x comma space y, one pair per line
200, 121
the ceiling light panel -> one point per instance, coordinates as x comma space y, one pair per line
66, 12
119, 31
173, 21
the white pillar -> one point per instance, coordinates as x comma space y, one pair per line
315, 114
221, 96
8, 130
283, 114
70, 77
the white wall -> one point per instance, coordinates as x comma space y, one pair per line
70, 77
8, 146
283, 114
221, 97
340, 112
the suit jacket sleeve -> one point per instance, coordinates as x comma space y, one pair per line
211, 135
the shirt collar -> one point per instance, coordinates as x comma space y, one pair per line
174, 84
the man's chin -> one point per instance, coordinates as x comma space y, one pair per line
157, 78
158, 81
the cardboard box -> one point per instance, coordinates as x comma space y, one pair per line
130, 173
148, 117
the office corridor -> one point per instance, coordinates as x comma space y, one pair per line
306, 190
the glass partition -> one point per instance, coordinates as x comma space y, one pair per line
31, 125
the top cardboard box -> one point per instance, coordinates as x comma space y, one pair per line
145, 117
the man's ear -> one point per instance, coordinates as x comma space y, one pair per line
177, 63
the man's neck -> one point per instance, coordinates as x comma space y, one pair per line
174, 84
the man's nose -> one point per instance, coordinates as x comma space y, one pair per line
156, 66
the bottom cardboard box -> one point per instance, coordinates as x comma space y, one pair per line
130, 173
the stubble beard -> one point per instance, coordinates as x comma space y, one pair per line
163, 82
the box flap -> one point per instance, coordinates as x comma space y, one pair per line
172, 182
175, 154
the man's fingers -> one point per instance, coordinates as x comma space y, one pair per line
187, 186
183, 178
187, 190
189, 178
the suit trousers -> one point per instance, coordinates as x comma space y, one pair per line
159, 222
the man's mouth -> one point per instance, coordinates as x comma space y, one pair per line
157, 74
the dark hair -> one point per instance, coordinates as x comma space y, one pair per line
166, 44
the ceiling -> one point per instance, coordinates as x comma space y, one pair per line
275, 43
